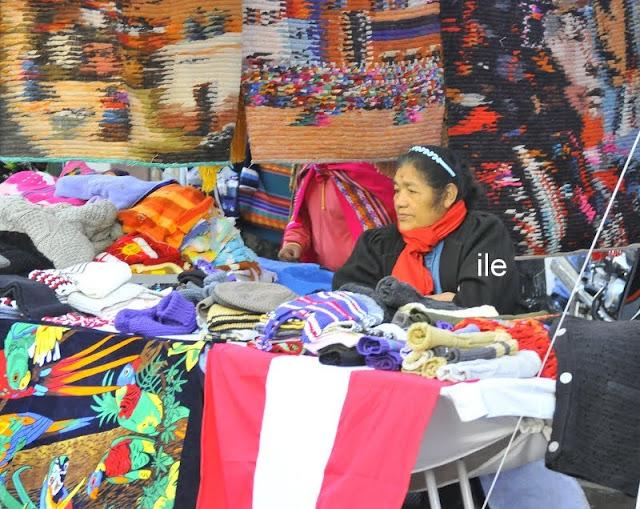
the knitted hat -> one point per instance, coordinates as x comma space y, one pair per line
173, 315
252, 295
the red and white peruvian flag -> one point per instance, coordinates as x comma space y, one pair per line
286, 432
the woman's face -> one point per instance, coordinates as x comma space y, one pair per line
417, 204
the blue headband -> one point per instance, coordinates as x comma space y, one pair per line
435, 157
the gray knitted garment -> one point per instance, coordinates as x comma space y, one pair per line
65, 234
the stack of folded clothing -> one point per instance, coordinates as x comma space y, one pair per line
224, 319
100, 289
530, 332
380, 352
464, 354
322, 310
241, 304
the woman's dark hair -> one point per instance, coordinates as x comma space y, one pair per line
437, 176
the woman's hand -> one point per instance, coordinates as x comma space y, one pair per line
290, 252
443, 297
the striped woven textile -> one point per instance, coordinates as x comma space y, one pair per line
368, 208
141, 81
269, 206
335, 81
543, 99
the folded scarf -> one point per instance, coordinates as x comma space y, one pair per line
431, 367
369, 345
387, 361
492, 351
422, 336
524, 364
414, 362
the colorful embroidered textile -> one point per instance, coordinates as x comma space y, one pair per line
139, 81
167, 214
541, 100
140, 248
95, 419
324, 81
268, 206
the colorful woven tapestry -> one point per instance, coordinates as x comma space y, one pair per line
269, 206
138, 81
328, 81
91, 419
543, 98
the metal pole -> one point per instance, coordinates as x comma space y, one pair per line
432, 490
465, 486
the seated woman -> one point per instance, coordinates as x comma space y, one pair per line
440, 245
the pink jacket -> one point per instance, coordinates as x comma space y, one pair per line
333, 205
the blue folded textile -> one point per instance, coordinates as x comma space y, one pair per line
368, 345
124, 192
302, 278
389, 361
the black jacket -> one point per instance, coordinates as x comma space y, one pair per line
595, 433
377, 250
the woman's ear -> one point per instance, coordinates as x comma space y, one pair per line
450, 195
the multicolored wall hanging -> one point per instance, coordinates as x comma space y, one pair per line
91, 419
142, 81
543, 97
344, 80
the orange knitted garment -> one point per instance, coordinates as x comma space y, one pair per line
167, 214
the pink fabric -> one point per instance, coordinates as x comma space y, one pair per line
381, 425
326, 243
36, 187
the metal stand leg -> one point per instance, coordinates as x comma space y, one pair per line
465, 486
432, 490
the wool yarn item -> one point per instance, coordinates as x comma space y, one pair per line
253, 296
64, 234
422, 336
530, 334
145, 82
173, 315
318, 75
545, 135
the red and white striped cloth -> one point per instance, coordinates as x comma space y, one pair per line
288, 432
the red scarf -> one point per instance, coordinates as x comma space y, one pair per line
409, 266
